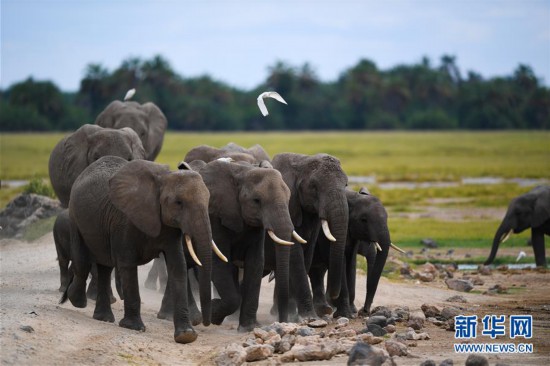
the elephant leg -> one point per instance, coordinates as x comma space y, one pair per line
166, 311
370, 256
299, 284
118, 284
162, 273
351, 273
64, 274
225, 278
103, 310
151, 281
342, 301
80, 268
91, 293
537, 240
177, 286
194, 312
132, 300
250, 288
317, 279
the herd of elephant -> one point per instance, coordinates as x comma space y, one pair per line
290, 217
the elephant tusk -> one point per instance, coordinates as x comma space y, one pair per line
191, 250
218, 252
326, 230
298, 238
278, 240
397, 248
378, 247
505, 236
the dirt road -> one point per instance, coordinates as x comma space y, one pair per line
64, 335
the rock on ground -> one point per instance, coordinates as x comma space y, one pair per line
25, 210
459, 285
232, 355
476, 360
365, 354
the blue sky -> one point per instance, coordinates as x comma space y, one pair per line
236, 41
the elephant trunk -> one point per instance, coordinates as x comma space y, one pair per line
337, 215
500, 236
280, 223
375, 272
202, 240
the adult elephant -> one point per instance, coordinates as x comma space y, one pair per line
368, 235
76, 151
530, 210
318, 200
253, 155
146, 119
246, 201
123, 214
201, 155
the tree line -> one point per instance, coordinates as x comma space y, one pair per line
417, 96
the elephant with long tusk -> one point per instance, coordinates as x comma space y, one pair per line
318, 206
124, 214
368, 235
247, 204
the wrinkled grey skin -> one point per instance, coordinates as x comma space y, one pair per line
62, 239
76, 151
317, 184
147, 120
253, 155
530, 210
123, 214
368, 223
245, 202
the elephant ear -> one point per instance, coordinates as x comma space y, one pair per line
222, 182
107, 117
134, 190
289, 171
157, 126
541, 212
75, 150
138, 151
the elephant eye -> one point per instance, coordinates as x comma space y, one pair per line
256, 201
179, 203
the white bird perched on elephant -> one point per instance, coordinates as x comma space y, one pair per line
261, 103
129, 94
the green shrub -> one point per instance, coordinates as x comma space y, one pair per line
38, 186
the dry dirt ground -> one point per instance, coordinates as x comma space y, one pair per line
64, 335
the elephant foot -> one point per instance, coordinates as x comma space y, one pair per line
323, 309
185, 336
353, 308
346, 313
196, 317
150, 284
134, 323
243, 328
104, 316
363, 312
166, 315
77, 293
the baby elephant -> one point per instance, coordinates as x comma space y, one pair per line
123, 214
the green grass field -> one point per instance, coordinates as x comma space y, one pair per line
389, 156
